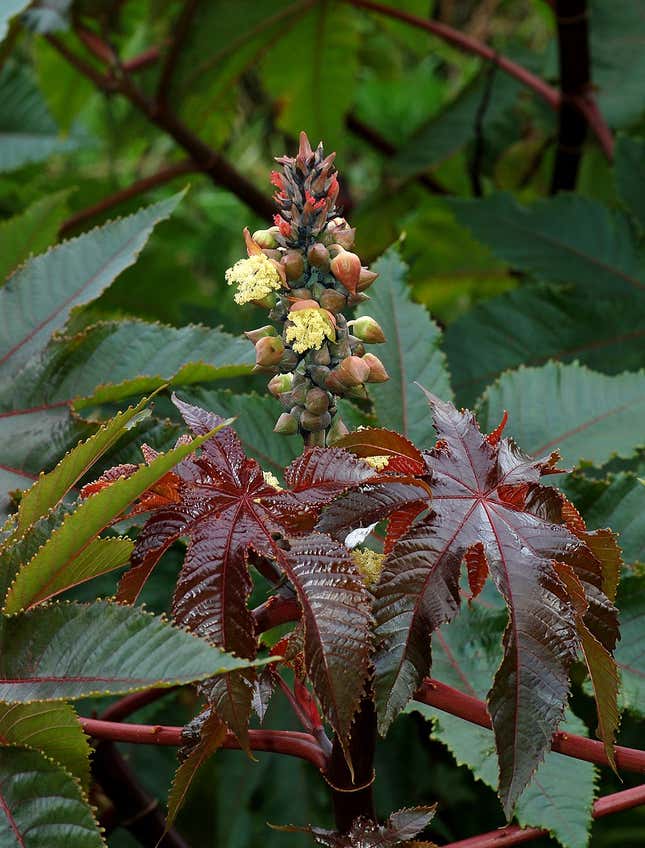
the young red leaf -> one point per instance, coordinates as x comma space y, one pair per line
403, 456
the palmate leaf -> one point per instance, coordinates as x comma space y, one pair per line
488, 505
51, 728
68, 651
586, 416
32, 231
412, 353
72, 553
226, 508
42, 804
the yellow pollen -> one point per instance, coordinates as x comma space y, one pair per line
308, 330
271, 480
370, 565
377, 462
255, 277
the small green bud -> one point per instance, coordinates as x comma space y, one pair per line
269, 351
367, 330
265, 238
286, 425
261, 333
280, 384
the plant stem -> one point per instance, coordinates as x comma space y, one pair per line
161, 177
276, 610
289, 742
514, 835
443, 697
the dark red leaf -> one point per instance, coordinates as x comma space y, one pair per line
404, 457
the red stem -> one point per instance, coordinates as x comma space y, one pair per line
514, 835
472, 45
276, 610
443, 697
290, 742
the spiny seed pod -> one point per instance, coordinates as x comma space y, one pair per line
333, 300
261, 333
265, 238
280, 384
353, 371
367, 330
318, 256
286, 425
365, 279
313, 423
317, 401
294, 264
269, 351
378, 374
346, 268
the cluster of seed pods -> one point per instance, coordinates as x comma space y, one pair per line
313, 353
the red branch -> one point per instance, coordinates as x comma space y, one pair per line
290, 742
443, 697
472, 45
276, 610
514, 835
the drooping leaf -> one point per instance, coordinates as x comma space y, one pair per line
486, 495
28, 132
630, 176
532, 324
41, 804
617, 501
226, 508
565, 239
67, 651
586, 416
72, 553
402, 455
31, 232
51, 728
323, 44
37, 299
411, 355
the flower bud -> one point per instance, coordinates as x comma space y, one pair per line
357, 392
268, 351
345, 237
289, 360
286, 425
298, 394
301, 294
334, 384
333, 300
365, 279
337, 431
261, 333
320, 356
357, 348
275, 255
378, 374
318, 256
294, 264
317, 401
367, 330
280, 384
353, 371
313, 423
346, 267
265, 238
319, 374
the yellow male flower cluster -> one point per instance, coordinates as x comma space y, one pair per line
369, 564
377, 462
255, 277
271, 480
309, 329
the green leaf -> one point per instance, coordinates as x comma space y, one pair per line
255, 418
31, 232
53, 729
532, 324
28, 132
588, 417
113, 360
630, 651
38, 298
630, 176
617, 501
64, 560
410, 355
323, 46
449, 131
42, 805
618, 58
567, 239
9, 10
66, 651
51, 488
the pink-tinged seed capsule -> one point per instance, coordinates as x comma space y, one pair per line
286, 425
353, 371
268, 351
367, 330
365, 279
346, 268
377, 374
